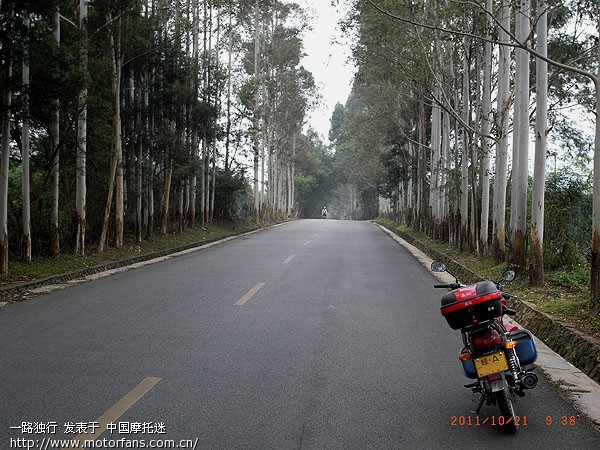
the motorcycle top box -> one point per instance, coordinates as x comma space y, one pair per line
471, 305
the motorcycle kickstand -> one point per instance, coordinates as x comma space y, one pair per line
481, 402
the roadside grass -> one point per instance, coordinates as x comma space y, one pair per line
40, 267
565, 294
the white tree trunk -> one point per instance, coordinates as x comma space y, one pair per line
290, 176
502, 123
486, 117
255, 126
25, 187
139, 98
436, 158
81, 177
229, 77
536, 273
446, 165
164, 216
195, 140
595, 270
118, 140
115, 177
205, 148
4, 167
464, 173
213, 185
150, 218
181, 206
55, 175
518, 216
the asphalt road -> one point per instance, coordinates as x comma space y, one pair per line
317, 334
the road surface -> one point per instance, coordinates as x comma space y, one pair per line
317, 334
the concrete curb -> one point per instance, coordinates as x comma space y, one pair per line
583, 391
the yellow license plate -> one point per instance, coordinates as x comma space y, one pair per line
492, 363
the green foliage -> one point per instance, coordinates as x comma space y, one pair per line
337, 122
232, 196
171, 102
568, 212
315, 176
575, 278
306, 186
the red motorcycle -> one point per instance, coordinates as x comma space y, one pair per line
497, 355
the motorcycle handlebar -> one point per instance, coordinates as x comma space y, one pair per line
449, 286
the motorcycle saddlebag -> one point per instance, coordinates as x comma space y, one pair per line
472, 304
526, 351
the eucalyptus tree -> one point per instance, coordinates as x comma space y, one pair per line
140, 68
432, 62
570, 61
316, 176
564, 62
256, 110
393, 85
55, 135
116, 165
25, 149
206, 98
536, 273
275, 95
466, 148
81, 184
15, 42
294, 89
368, 135
55, 171
486, 122
228, 99
289, 89
234, 74
520, 155
171, 115
502, 122
195, 86
117, 25
6, 134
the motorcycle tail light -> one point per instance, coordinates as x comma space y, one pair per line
494, 377
487, 339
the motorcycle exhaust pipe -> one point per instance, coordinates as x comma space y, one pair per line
529, 380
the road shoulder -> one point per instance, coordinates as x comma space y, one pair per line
580, 389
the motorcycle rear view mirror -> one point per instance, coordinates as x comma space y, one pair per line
438, 266
509, 275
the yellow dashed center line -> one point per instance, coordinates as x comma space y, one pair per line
248, 295
118, 409
289, 259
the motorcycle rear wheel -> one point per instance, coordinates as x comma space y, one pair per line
508, 421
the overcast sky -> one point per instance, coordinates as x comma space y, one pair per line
327, 61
